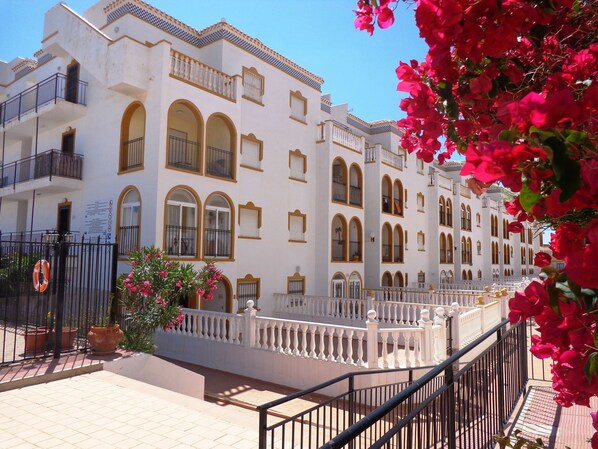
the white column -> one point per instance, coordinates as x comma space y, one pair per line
372, 343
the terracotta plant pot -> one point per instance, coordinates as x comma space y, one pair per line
104, 339
68, 338
36, 340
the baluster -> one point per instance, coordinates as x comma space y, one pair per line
339, 345
322, 331
350, 347
274, 327
395, 350
287, 334
312, 352
211, 327
304, 328
331, 344
360, 337
385, 350
218, 333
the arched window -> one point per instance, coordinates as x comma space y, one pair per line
221, 147
386, 280
478, 220
420, 202
386, 194
443, 279
479, 247
355, 286
464, 275
355, 186
442, 247
468, 212
479, 274
463, 250
399, 280
421, 241
398, 250
441, 211
129, 221
449, 212
469, 275
449, 248
469, 251
398, 198
355, 240
132, 138
463, 217
218, 231
338, 239
386, 243
339, 180
338, 286
184, 137
181, 223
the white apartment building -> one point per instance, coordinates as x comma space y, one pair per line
131, 126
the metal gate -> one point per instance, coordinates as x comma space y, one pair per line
50, 311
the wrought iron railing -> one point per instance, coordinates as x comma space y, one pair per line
181, 241
398, 254
132, 154
49, 90
355, 195
339, 191
219, 162
355, 250
183, 153
386, 256
338, 250
47, 164
217, 243
128, 239
386, 203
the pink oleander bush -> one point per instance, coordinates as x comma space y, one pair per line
512, 85
152, 291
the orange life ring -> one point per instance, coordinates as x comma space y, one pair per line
41, 275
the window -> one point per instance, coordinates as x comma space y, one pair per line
442, 248
217, 228
296, 284
479, 247
298, 165
184, 137
468, 218
478, 220
421, 276
250, 221
181, 223
449, 248
441, 211
220, 147
420, 165
128, 230
386, 280
339, 181
355, 240
338, 286
463, 250
297, 224
463, 217
420, 202
251, 152
398, 250
248, 288
386, 194
338, 243
253, 85
469, 250
355, 182
354, 286
494, 226
449, 212
132, 135
386, 243
397, 198
298, 104
421, 241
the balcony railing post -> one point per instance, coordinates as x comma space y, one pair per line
51, 163
372, 342
249, 332
14, 179
427, 345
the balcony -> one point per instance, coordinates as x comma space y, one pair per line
340, 135
219, 162
52, 171
201, 75
181, 241
387, 157
64, 99
183, 154
217, 243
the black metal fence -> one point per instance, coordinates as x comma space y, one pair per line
453, 405
54, 316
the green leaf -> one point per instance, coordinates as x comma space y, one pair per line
578, 137
508, 135
591, 366
542, 132
527, 198
553, 299
566, 171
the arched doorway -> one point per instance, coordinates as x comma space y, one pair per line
222, 298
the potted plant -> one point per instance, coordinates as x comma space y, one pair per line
105, 336
68, 334
36, 339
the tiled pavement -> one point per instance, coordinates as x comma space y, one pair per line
103, 410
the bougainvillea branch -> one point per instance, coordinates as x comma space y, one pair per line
513, 86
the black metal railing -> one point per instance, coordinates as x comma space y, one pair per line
386, 203
338, 250
355, 250
398, 207
332, 415
339, 191
49, 90
128, 239
217, 242
472, 404
386, 256
355, 195
219, 162
132, 154
47, 164
183, 153
398, 254
181, 240
54, 317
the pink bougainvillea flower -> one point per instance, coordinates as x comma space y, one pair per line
515, 227
542, 259
582, 266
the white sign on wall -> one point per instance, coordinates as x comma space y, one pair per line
98, 219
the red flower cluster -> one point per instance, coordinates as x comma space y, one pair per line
370, 11
513, 85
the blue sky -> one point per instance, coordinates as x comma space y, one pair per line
318, 35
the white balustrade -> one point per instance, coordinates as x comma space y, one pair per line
392, 159
469, 326
347, 139
492, 315
202, 75
215, 326
445, 183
